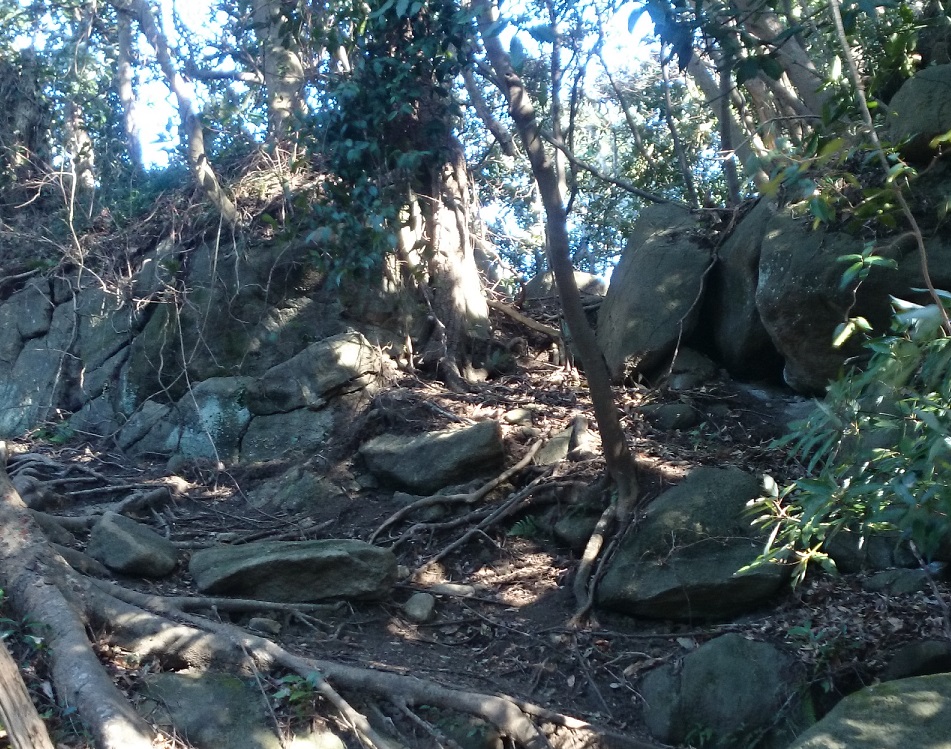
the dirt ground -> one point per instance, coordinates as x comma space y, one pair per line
504, 629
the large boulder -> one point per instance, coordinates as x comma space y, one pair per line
208, 422
428, 462
296, 571
740, 339
683, 561
913, 712
920, 111
655, 293
801, 301
34, 349
543, 285
730, 688
334, 366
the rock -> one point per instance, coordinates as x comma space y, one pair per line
689, 370
730, 688
741, 341
671, 415
518, 416
883, 550
131, 548
421, 607
218, 711
682, 562
920, 111
919, 659
32, 386
274, 436
428, 462
296, 571
265, 625
897, 714
801, 302
897, 582
334, 366
297, 490
575, 528
653, 301
555, 450
208, 422
543, 285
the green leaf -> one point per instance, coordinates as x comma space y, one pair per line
821, 208
772, 67
746, 69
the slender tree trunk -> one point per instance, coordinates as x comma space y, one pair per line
675, 137
126, 89
193, 133
617, 453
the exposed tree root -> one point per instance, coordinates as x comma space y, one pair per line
33, 578
24, 727
42, 587
469, 499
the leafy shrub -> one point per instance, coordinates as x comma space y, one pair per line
877, 450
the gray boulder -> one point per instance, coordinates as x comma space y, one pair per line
296, 570
655, 292
919, 658
218, 711
131, 548
208, 422
731, 689
296, 490
274, 436
742, 342
801, 302
340, 364
543, 285
429, 462
920, 111
682, 561
899, 714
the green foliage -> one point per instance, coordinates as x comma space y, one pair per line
877, 450
297, 692
385, 126
530, 527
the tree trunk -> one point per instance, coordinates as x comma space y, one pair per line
458, 302
617, 454
193, 133
283, 69
126, 90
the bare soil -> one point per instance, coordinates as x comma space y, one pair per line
506, 630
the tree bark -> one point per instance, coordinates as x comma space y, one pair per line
124, 84
31, 575
283, 69
617, 453
18, 715
192, 130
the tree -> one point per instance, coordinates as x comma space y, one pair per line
617, 453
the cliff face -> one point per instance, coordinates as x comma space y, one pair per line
228, 354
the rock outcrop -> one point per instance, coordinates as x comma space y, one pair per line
683, 561
892, 715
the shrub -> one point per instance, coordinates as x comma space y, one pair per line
877, 450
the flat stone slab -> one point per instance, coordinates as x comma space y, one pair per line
128, 547
296, 571
429, 462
